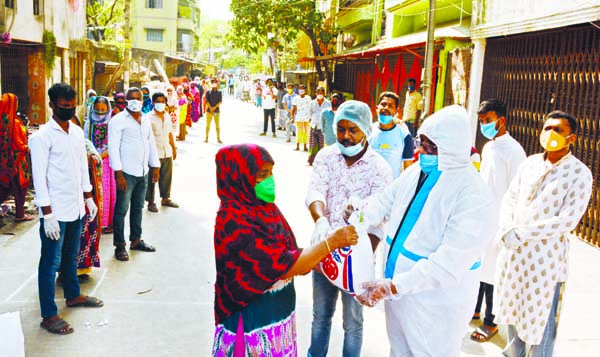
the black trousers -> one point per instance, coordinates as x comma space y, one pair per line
486, 290
269, 113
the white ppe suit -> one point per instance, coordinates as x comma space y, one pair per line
437, 270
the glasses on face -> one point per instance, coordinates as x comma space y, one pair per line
427, 146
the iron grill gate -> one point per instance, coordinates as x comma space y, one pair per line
540, 72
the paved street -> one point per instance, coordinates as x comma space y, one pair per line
160, 304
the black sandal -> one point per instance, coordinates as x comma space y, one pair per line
121, 254
59, 327
142, 246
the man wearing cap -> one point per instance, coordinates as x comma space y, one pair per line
348, 167
438, 214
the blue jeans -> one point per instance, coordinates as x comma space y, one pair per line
135, 193
324, 300
58, 255
518, 348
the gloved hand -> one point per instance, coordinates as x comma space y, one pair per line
51, 227
375, 291
511, 240
92, 209
322, 228
352, 204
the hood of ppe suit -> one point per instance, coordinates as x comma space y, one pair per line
449, 129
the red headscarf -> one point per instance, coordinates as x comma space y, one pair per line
254, 245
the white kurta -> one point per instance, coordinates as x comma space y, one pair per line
543, 205
430, 314
500, 160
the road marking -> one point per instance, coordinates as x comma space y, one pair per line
21, 287
99, 282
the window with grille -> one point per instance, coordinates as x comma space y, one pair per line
154, 35
154, 4
9, 4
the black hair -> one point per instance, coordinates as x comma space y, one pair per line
412, 80
391, 95
493, 105
61, 90
157, 95
557, 114
133, 89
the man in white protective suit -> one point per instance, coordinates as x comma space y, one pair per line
438, 214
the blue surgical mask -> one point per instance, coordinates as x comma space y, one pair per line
489, 130
428, 163
351, 150
385, 119
411, 88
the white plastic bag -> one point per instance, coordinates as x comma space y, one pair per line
12, 342
349, 267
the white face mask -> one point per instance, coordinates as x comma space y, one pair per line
134, 105
301, 91
160, 107
214, 85
320, 96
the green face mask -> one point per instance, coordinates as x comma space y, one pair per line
265, 190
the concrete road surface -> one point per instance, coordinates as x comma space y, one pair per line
160, 304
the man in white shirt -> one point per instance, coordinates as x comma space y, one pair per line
269, 99
301, 117
132, 152
61, 181
167, 152
317, 139
500, 160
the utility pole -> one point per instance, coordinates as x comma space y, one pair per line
127, 41
430, 47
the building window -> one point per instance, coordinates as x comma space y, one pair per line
38, 7
154, 35
9, 4
154, 4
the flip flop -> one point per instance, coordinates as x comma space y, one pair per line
57, 326
25, 218
169, 203
89, 301
484, 333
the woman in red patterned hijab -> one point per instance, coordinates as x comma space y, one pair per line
256, 256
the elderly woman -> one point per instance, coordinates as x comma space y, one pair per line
256, 258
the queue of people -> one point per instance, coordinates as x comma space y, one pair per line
452, 237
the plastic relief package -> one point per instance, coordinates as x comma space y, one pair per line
349, 267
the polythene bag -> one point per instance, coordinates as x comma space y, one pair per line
349, 267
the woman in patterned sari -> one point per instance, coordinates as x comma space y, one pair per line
96, 131
14, 167
89, 256
256, 258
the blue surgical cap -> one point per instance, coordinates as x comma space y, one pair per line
357, 112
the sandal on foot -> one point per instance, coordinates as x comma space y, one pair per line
59, 327
169, 203
25, 218
107, 230
152, 207
476, 316
142, 246
89, 301
484, 333
121, 254
83, 278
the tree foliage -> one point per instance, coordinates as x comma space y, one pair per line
102, 15
260, 24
